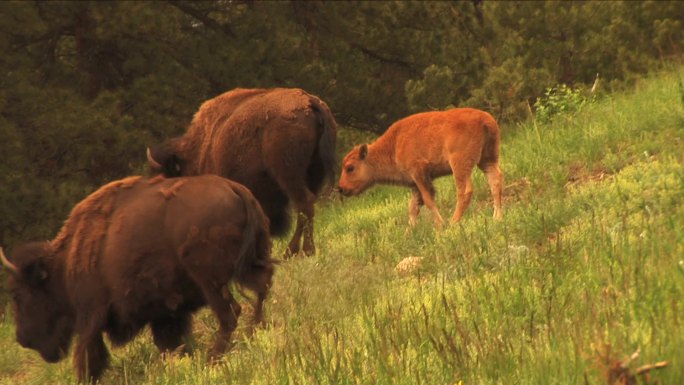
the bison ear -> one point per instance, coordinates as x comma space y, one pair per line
163, 160
35, 273
173, 167
363, 151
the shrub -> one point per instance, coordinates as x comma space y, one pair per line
558, 100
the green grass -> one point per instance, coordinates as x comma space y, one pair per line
587, 265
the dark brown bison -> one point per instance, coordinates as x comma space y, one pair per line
415, 150
139, 252
280, 143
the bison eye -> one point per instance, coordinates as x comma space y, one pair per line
350, 169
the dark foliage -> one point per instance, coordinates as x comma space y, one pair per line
86, 86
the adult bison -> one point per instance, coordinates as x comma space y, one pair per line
415, 150
139, 252
280, 143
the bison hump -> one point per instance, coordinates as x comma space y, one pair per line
81, 236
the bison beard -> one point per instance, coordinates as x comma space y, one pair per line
279, 143
138, 252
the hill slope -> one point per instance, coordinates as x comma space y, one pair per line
586, 267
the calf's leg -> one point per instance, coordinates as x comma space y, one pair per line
462, 170
415, 204
495, 181
427, 193
464, 187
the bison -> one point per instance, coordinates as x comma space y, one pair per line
139, 252
280, 143
415, 150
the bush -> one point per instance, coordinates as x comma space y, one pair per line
558, 100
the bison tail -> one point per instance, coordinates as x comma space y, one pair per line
324, 164
256, 245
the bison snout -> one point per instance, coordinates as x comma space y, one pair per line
52, 356
23, 341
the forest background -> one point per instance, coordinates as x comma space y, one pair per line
86, 86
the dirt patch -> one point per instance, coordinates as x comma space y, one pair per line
516, 190
579, 174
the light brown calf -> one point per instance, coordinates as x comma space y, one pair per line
421, 147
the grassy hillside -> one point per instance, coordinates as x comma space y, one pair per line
586, 267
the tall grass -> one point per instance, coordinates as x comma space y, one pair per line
586, 266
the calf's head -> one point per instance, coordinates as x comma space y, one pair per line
357, 174
42, 314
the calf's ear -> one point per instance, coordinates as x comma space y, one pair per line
363, 151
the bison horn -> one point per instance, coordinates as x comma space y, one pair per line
8, 265
151, 160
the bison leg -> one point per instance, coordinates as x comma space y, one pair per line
91, 356
495, 180
427, 193
259, 308
210, 266
303, 201
258, 279
258, 320
415, 204
294, 245
168, 333
308, 211
227, 310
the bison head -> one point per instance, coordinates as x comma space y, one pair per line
42, 314
163, 159
357, 174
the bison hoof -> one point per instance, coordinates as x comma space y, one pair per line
219, 348
289, 254
182, 350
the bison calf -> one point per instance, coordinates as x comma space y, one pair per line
421, 147
139, 252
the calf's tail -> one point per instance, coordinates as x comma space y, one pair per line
490, 150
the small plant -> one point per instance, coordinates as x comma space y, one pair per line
560, 99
